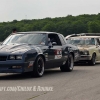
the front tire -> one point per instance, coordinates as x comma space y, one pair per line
38, 68
93, 60
69, 65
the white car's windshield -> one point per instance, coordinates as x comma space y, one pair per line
35, 39
81, 41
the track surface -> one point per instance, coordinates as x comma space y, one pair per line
83, 83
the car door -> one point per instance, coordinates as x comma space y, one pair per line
55, 51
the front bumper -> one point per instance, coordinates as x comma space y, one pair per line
85, 58
6, 67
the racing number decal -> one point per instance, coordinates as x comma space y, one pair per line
58, 54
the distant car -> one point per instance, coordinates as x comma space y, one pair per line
89, 47
35, 51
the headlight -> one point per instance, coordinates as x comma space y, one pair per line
86, 52
19, 57
15, 57
12, 57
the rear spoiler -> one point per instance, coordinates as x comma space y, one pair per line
82, 34
92, 34
74, 35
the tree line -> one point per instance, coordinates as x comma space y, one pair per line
65, 25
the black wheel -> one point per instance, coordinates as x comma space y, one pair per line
93, 60
38, 68
68, 66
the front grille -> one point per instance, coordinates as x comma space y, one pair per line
3, 58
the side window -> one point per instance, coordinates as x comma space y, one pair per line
62, 39
54, 39
93, 41
98, 41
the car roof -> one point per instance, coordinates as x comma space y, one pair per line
86, 37
36, 32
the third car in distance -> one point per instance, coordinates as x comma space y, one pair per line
89, 47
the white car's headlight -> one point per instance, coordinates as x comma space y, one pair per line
86, 52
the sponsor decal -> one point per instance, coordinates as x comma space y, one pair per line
30, 64
58, 54
46, 54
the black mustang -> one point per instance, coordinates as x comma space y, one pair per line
35, 51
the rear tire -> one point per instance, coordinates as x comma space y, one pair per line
69, 65
38, 68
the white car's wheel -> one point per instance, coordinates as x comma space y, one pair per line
93, 59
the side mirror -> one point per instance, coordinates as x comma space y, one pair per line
54, 43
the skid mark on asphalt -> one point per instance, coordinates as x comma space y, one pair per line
36, 96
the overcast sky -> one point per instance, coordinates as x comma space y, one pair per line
37, 9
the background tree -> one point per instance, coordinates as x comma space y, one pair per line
65, 25
94, 27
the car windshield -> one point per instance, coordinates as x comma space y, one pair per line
81, 41
35, 39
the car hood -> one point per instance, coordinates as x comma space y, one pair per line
15, 48
85, 47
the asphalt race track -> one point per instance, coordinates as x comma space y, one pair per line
81, 84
